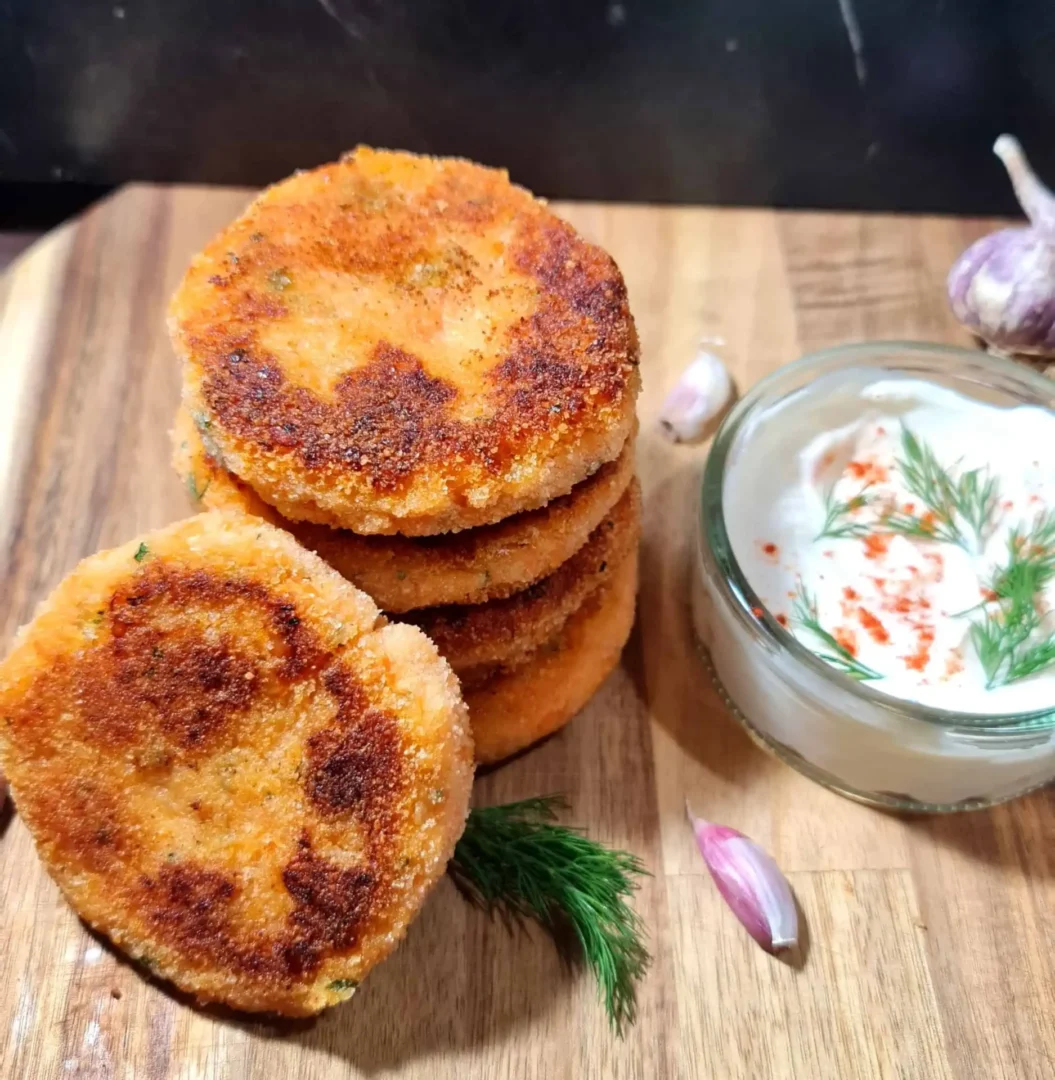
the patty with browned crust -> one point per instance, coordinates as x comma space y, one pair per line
403, 573
477, 639
231, 764
513, 709
404, 344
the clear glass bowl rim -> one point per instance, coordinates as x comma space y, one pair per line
733, 585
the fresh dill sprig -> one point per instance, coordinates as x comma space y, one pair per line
804, 612
1003, 638
928, 480
514, 860
837, 512
971, 498
975, 501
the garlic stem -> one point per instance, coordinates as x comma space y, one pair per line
750, 882
1033, 196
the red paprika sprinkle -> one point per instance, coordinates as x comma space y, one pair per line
876, 545
869, 471
919, 660
847, 639
851, 594
771, 550
757, 612
782, 619
876, 630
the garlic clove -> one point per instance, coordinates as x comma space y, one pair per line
699, 396
750, 882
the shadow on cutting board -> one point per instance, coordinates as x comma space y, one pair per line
662, 656
460, 982
1014, 837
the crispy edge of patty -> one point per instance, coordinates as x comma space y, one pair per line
505, 632
388, 450
513, 710
414, 732
406, 573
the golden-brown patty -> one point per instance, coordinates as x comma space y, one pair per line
403, 573
476, 638
232, 765
514, 709
393, 343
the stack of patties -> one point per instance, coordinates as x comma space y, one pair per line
429, 379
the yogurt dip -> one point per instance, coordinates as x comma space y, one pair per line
892, 541
840, 527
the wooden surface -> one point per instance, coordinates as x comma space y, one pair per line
931, 942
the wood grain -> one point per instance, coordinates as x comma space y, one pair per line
929, 951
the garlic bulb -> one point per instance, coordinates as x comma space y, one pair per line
698, 397
750, 883
1003, 286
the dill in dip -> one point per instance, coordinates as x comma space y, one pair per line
905, 533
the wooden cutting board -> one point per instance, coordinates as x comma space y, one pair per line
930, 941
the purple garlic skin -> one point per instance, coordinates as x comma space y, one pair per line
1002, 287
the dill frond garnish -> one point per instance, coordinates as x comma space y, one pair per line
514, 860
952, 505
804, 612
837, 512
971, 499
1006, 638
975, 501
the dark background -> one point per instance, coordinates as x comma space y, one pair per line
728, 101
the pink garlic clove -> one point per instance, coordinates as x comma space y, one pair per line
750, 882
701, 393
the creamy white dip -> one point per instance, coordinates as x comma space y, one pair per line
902, 605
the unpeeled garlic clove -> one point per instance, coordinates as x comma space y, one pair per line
1002, 287
750, 882
700, 394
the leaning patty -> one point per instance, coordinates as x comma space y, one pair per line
231, 765
393, 343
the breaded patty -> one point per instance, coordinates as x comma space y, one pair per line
404, 573
514, 709
232, 766
403, 344
477, 638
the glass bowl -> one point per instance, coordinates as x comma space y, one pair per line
840, 732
